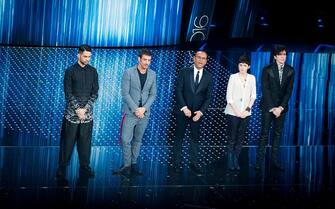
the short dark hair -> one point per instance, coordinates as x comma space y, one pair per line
83, 48
278, 48
144, 52
244, 59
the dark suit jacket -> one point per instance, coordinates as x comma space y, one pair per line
275, 94
187, 95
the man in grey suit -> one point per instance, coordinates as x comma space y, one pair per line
138, 93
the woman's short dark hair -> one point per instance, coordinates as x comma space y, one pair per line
244, 59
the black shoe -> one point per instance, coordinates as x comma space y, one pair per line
61, 172
196, 170
277, 166
123, 171
86, 170
135, 170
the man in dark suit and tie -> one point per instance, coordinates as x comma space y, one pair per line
193, 94
277, 85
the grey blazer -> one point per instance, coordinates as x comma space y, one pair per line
131, 90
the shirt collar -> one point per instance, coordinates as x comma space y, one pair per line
280, 65
195, 69
81, 66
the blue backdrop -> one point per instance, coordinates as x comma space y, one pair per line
95, 22
32, 100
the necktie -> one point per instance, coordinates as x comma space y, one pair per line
281, 68
196, 83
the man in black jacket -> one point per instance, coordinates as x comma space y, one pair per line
81, 91
193, 93
277, 85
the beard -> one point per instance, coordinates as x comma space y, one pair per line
83, 62
144, 66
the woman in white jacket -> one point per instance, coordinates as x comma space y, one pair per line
241, 95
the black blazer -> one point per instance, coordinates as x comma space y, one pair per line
187, 95
275, 94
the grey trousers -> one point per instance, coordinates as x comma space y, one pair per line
131, 138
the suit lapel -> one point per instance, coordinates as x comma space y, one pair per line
148, 79
284, 75
137, 78
191, 77
275, 72
202, 81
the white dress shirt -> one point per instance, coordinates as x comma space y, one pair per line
195, 71
239, 92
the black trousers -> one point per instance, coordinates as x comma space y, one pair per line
236, 133
70, 135
277, 123
181, 125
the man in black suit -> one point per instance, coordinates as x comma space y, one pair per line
193, 92
277, 85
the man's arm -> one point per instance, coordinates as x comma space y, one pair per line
94, 92
266, 91
125, 88
288, 92
69, 97
180, 89
207, 101
152, 93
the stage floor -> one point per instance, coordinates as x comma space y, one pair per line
28, 179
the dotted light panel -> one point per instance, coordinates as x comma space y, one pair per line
32, 97
32, 100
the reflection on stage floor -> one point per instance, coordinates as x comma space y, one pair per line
28, 178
